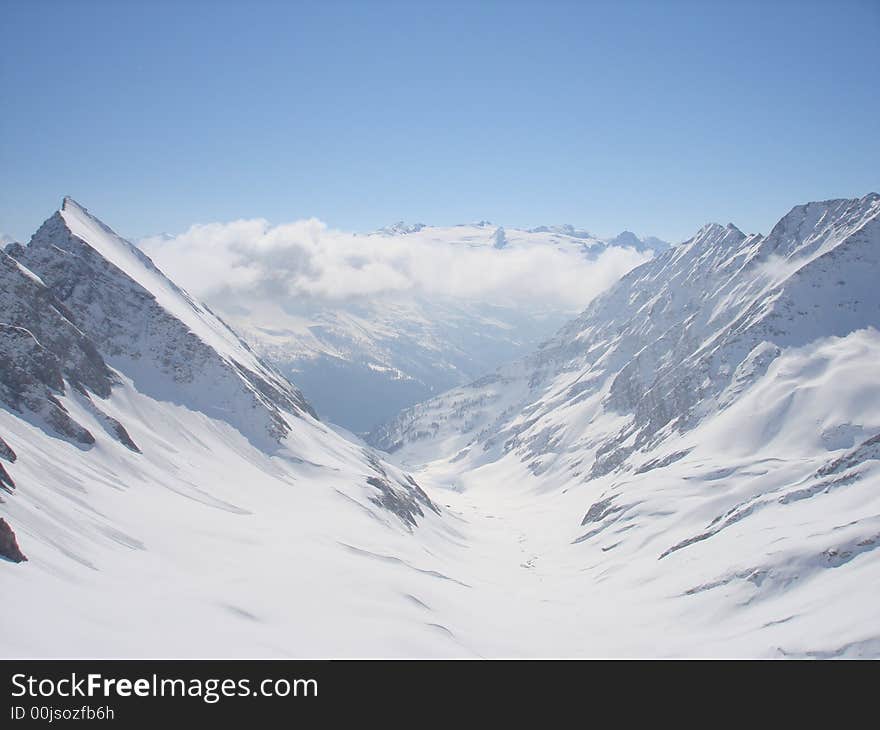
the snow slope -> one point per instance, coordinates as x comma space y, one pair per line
675, 340
712, 422
363, 359
154, 469
690, 468
172, 346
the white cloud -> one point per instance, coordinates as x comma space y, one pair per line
251, 259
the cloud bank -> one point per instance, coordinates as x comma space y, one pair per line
306, 260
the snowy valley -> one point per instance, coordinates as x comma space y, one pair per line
369, 324
688, 467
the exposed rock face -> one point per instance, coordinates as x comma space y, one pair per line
6, 452
83, 312
6, 483
41, 349
153, 331
9, 545
868, 449
405, 498
675, 340
27, 303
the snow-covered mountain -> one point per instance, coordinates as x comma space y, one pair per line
171, 346
362, 360
690, 467
150, 459
718, 409
675, 340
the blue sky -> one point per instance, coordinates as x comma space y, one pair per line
655, 117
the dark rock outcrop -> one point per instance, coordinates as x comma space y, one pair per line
41, 349
9, 545
6, 451
403, 498
6, 483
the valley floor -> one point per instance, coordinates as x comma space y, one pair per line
761, 541
523, 589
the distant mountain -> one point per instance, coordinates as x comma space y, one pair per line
139, 437
362, 361
628, 239
676, 333
401, 228
717, 410
689, 467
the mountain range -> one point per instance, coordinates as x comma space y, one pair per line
688, 467
362, 359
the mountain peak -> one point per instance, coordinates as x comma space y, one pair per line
626, 238
68, 203
402, 228
715, 234
93, 233
499, 238
168, 343
565, 229
806, 227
